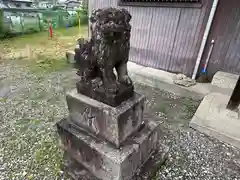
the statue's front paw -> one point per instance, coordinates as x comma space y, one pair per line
126, 80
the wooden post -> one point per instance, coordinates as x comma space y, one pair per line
79, 23
235, 98
50, 29
22, 22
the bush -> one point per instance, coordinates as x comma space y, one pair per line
83, 19
1, 21
4, 28
83, 13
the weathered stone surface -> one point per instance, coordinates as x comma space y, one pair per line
75, 170
214, 119
95, 90
107, 49
114, 124
147, 172
224, 80
103, 160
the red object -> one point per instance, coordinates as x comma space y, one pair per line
50, 30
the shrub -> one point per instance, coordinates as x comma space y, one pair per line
83, 13
83, 19
1, 21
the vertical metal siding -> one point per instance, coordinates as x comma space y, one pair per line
141, 24
182, 57
163, 37
232, 57
226, 33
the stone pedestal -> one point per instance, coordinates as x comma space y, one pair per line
114, 124
102, 159
105, 135
109, 143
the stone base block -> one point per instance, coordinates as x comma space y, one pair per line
75, 170
148, 171
214, 119
114, 124
96, 91
103, 160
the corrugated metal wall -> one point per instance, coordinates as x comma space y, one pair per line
164, 38
226, 33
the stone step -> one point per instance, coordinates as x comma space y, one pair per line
224, 80
105, 161
214, 119
148, 171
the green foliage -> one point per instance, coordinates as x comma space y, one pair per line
38, 20
83, 13
55, 8
3, 31
1, 21
84, 20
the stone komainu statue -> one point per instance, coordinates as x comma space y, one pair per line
107, 49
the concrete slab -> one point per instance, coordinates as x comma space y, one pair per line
212, 118
164, 80
114, 124
105, 161
224, 80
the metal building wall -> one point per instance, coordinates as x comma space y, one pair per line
225, 31
164, 37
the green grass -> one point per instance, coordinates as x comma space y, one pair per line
40, 52
42, 38
45, 64
3, 99
163, 108
73, 31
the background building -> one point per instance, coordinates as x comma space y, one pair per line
170, 35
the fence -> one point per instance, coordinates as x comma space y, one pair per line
21, 21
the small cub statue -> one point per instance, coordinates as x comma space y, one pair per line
107, 49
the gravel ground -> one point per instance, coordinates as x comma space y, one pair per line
31, 103
190, 154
